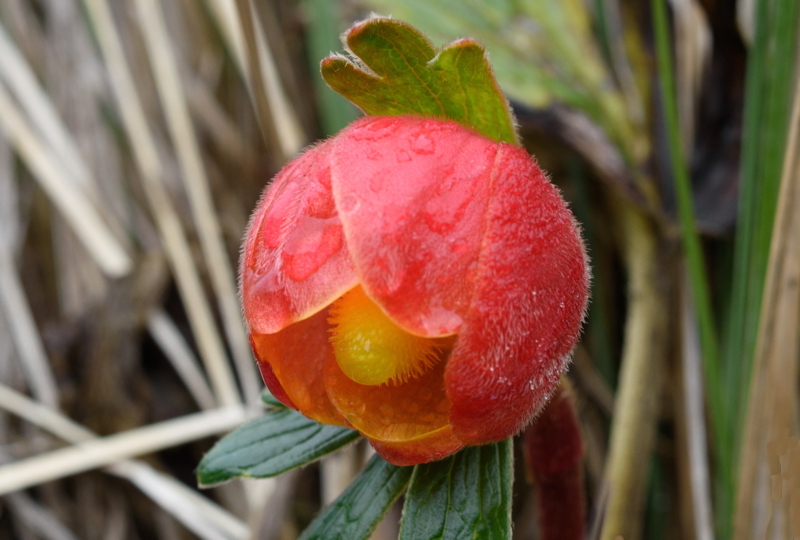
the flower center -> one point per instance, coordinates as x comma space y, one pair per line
371, 349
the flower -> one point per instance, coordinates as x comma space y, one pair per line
414, 281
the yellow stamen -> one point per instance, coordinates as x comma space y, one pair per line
371, 349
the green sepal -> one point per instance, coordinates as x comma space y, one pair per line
269, 446
357, 511
395, 70
467, 495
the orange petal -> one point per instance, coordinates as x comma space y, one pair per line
430, 447
407, 423
294, 260
297, 356
272, 382
412, 195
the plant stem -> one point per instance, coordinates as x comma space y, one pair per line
694, 255
554, 455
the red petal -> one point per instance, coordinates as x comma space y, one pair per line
296, 356
294, 262
527, 309
406, 423
413, 226
272, 381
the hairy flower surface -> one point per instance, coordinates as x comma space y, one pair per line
415, 281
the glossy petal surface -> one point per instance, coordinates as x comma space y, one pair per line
412, 196
527, 309
296, 356
294, 261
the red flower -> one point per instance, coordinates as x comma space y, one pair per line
415, 281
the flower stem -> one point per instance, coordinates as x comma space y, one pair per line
554, 453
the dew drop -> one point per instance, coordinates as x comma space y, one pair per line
310, 245
372, 131
423, 144
459, 246
269, 282
349, 203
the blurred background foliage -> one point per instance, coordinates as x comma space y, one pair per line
136, 135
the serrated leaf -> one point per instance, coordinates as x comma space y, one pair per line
542, 53
396, 70
357, 511
269, 446
467, 495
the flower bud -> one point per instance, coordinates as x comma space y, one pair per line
415, 281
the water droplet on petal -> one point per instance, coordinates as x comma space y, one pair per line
372, 130
349, 203
441, 321
423, 144
269, 282
387, 274
459, 246
310, 245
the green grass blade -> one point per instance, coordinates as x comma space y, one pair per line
696, 266
770, 75
768, 92
690, 237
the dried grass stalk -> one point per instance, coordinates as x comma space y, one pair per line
73, 204
641, 378
772, 412
176, 245
180, 355
100, 452
290, 135
691, 420
173, 99
204, 518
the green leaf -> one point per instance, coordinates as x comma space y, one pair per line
396, 70
357, 511
467, 495
269, 446
542, 53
